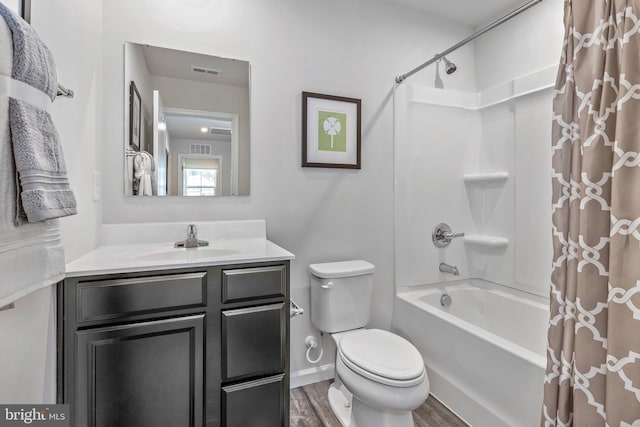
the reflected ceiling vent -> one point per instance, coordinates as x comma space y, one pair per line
205, 70
200, 149
219, 131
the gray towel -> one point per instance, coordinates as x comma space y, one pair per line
43, 184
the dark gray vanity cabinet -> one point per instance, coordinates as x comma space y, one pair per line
188, 347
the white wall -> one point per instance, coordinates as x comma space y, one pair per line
72, 30
13, 5
293, 46
529, 42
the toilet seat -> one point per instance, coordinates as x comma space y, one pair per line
383, 357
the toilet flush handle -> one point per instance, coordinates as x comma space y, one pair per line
327, 285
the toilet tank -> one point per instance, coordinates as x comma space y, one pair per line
341, 295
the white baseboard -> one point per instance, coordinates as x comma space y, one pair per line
311, 375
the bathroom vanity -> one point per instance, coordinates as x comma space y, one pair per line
185, 337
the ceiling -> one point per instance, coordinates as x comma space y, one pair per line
177, 64
474, 13
188, 127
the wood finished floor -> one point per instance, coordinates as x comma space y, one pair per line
310, 408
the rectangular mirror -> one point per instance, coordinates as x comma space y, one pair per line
186, 123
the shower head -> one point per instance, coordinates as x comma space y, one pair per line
449, 66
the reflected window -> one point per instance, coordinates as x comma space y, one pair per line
200, 176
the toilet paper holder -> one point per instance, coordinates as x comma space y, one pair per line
295, 309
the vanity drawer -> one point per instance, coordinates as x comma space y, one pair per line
255, 403
253, 341
251, 283
121, 298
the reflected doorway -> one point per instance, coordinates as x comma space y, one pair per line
203, 152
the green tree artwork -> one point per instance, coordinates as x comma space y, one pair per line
332, 131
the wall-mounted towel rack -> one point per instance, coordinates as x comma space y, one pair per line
63, 91
8, 307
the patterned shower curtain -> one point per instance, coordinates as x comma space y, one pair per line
593, 358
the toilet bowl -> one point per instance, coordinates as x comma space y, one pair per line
379, 376
384, 376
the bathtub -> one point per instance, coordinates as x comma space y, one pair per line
484, 353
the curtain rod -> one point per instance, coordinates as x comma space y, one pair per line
401, 78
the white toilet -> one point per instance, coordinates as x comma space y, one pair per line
380, 377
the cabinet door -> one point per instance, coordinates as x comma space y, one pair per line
259, 403
141, 375
253, 341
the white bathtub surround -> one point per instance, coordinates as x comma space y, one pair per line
484, 353
150, 247
477, 162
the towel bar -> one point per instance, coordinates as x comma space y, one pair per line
63, 91
8, 307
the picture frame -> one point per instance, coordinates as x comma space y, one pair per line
25, 10
331, 131
135, 116
21, 8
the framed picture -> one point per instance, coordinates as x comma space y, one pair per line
21, 8
135, 116
25, 10
330, 131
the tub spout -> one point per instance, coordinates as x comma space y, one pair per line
451, 269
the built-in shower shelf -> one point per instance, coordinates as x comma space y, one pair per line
486, 241
486, 178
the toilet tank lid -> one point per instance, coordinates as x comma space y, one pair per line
331, 270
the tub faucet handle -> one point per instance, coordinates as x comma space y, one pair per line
452, 235
442, 235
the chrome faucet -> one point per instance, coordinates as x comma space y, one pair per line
451, 269
442, 235
192, 239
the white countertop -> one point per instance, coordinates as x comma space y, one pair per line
121, 256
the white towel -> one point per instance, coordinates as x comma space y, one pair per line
144, 167
32, 255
